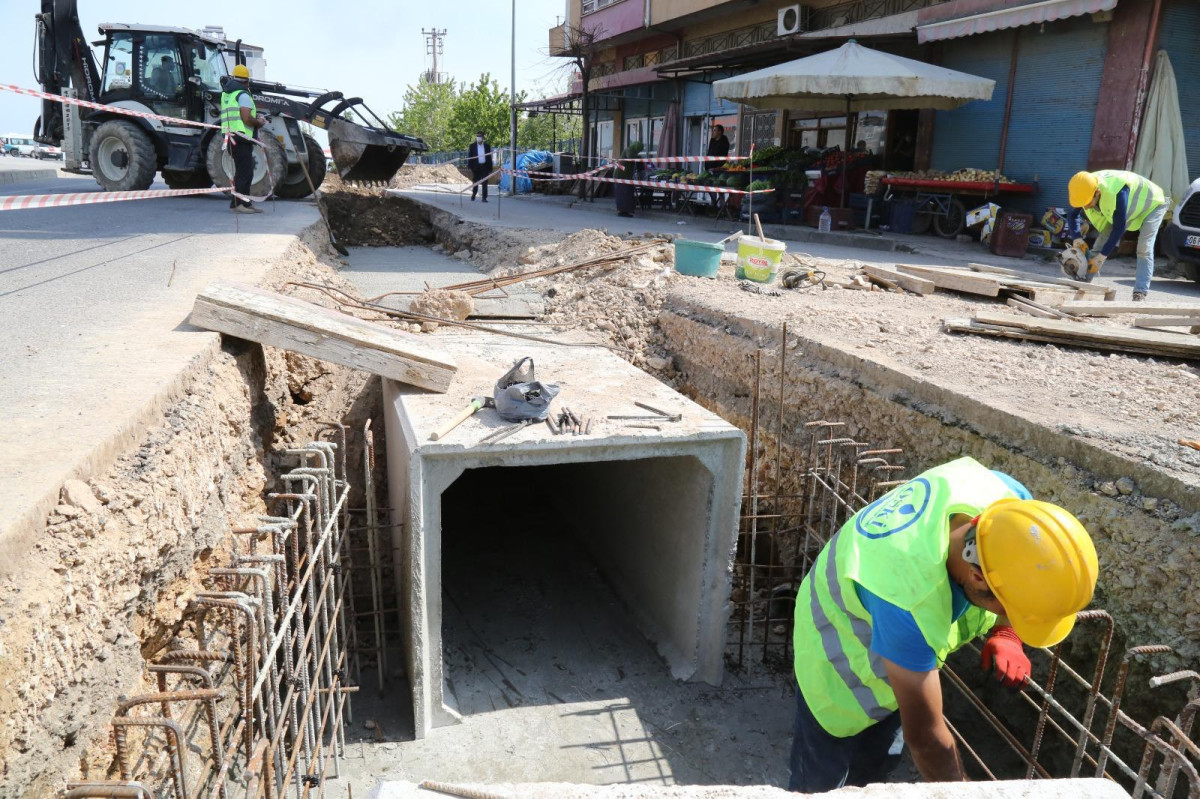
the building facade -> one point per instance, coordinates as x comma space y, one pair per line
1071, 77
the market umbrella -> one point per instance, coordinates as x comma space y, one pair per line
854, 78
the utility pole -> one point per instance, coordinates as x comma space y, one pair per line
512, 101
433, 47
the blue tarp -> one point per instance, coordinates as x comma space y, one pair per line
526, 160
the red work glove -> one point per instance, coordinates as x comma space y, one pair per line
1004, 649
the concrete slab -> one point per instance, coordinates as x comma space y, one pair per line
22, 170
657, 509
379, 270
1016, 789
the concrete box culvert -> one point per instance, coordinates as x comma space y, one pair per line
656, 510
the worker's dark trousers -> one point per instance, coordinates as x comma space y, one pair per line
478, 174
823, 762
242, 151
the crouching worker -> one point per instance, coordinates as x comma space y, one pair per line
956, 553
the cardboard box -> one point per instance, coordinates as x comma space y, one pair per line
1055, 221
1041, 238
982, 214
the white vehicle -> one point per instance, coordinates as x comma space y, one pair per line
16, 144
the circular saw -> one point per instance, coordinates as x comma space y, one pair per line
1074, 260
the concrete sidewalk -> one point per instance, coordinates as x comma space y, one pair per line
96, 342
568, 214
21, 170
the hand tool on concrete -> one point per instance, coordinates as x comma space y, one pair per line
476, 404
503, 432
658, 417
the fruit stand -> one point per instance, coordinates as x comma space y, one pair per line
939, 198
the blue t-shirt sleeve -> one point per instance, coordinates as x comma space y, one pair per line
1120, 222
1014, 485
895, 634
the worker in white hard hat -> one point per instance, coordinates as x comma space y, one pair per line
1115, 201
239, 121
956, 553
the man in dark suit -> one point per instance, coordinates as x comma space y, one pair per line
718, 145
479, 157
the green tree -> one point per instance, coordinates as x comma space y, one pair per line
428, 108
537, 132
480, 106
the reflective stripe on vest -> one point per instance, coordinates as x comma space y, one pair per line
896, 548
1144, 197
231, 113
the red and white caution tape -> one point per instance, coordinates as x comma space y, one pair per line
101, 107
683, 159
93, 197
660, 184
525, 173
22, 202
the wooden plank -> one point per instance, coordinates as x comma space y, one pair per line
1034, 277
1097, 334
1090, 308
1003, 331
288, 323
955, 280
1166, 321
917, 285
1015, 302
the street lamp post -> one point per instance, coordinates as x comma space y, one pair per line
512, 102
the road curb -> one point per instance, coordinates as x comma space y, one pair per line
21, 175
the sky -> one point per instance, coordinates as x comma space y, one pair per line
367, 48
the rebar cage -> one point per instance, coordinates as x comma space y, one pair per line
804, 480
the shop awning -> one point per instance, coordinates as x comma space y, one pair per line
1030, 14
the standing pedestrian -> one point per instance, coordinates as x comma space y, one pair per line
718, 146
479, 156
239, 121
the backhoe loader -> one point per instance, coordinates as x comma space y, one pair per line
180, 73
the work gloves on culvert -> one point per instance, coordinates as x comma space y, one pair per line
1004, 650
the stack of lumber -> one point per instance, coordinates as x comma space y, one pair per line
1173, 316
1079, 334
993, 281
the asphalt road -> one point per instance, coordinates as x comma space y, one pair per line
94, 302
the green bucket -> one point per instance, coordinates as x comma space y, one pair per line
758, 259
697, 258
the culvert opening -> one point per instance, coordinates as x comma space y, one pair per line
553, 575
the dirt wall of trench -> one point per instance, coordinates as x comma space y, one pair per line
104, 587
1147, 579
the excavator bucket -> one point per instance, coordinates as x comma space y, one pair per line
365, 154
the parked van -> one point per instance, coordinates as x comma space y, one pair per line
16, 144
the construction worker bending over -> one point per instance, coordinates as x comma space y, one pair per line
239, 121
958, 552
1116, 201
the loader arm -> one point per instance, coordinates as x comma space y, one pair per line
64, 59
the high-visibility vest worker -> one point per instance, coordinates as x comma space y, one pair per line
1116, 201
239, 120
948, 556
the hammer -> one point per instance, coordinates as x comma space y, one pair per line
476, 404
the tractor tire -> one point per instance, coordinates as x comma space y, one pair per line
270, 165
197, 179
122, 156
294, 184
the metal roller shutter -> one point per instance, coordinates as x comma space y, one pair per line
1178, 36
1054, 106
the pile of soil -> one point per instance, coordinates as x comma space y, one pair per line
444, 305
365, 218
414, 174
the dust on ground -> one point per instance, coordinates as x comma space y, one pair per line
416, 174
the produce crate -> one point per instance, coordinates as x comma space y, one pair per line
1010, 236
900, 216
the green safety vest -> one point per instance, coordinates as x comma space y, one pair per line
231, 113
896, 548
1144, 197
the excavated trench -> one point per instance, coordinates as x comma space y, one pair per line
104, 590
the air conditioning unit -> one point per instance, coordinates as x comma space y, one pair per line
793, 19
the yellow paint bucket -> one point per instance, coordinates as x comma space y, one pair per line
758, 259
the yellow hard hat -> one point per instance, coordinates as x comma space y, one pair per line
241, 71
1081, 189
1040, 563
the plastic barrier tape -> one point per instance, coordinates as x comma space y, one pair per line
22, 202
101, 107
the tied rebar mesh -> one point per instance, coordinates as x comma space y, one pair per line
254, 706
807, 478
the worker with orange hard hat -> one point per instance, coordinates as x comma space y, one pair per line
956, 553
1115, 201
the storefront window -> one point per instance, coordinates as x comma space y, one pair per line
759, 131
825, 132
